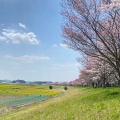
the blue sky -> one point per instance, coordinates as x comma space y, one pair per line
31, 44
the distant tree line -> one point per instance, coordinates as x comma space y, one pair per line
19, 81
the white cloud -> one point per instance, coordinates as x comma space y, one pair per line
2, 24
17, 37
2, 38
28, 58
22, 25
64, 45
54, 45
61, 44
68, 65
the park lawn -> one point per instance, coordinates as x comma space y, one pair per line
75, 104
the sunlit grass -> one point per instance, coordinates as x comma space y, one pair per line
75, 104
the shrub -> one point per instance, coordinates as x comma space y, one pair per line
50, 87
65, 88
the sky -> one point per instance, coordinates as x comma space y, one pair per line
31, 46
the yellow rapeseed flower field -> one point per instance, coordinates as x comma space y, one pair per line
15, 89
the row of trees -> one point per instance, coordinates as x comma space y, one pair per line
92, 27
97, 73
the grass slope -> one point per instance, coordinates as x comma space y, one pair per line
75, 104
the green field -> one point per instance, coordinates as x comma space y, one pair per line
23, 90
15, 95
75, 104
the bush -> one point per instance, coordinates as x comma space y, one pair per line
65, 88
50, 87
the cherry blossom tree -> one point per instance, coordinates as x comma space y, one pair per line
92, 31
96, 73
108, 5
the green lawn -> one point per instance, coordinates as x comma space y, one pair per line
76, 104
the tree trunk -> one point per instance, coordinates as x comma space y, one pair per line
104, 81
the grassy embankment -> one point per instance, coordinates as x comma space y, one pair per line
75, 104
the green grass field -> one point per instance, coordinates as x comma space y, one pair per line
16, 95
75, 104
